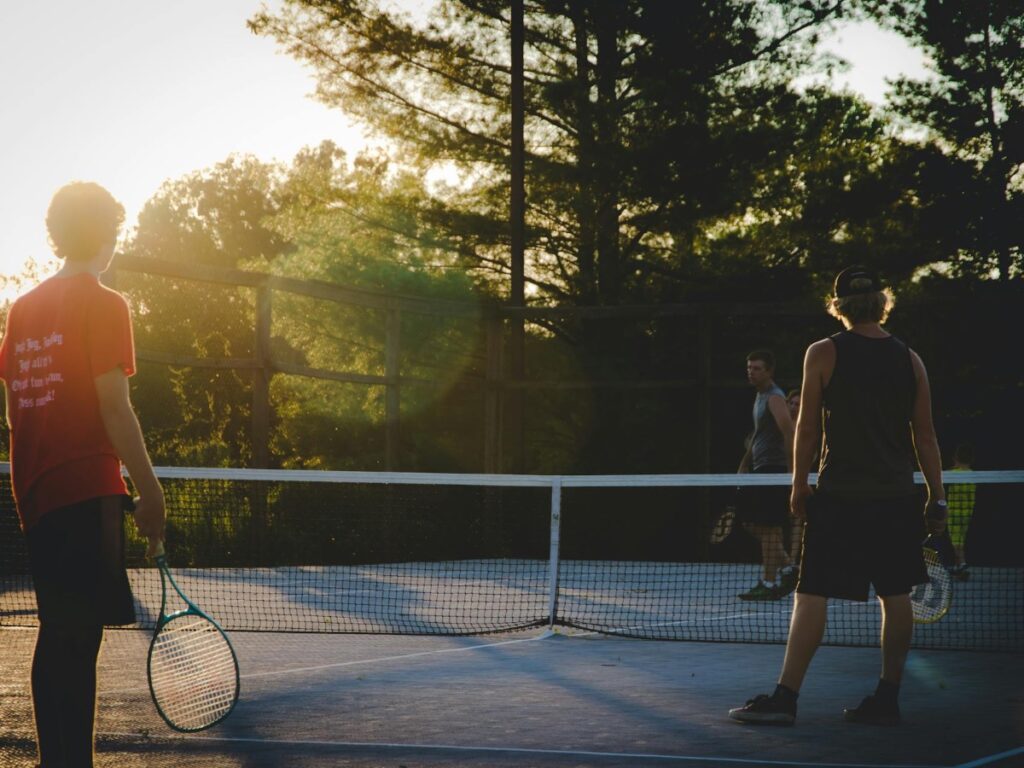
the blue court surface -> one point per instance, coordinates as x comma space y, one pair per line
538, 699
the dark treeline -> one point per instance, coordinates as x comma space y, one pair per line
671, 158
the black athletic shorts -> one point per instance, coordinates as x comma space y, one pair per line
850, 545
76, 554
763, 504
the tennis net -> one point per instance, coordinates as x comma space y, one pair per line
639, 555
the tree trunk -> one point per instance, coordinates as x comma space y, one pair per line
585, 205
607, 169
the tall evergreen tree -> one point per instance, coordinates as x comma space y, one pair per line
973, 109
622, 101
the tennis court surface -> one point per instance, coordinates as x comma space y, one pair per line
385, 620
524, 699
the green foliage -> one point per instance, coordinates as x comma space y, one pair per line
634, 122
215, 218
669, 158
973, 109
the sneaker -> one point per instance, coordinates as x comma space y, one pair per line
761, 591
765, 710
788, 578
873, 711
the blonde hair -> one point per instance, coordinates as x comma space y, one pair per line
862, 308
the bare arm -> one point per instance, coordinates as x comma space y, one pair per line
744, 462
926, 444
780, 411
818, 364
125, 434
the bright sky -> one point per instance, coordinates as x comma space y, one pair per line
130, 93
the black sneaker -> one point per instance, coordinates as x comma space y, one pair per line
766, 710
873, 711
760, 591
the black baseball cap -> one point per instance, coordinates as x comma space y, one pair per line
854, 281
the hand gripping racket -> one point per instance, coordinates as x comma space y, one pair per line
930, 601
192, 668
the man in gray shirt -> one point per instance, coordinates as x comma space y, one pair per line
763, 510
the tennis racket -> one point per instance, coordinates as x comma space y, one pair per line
192, 668
722, 527
930, 601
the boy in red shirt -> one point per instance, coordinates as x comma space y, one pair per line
65, 358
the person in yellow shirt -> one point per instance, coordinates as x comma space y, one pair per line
960, 498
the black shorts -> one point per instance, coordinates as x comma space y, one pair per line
763, 504
76, 554
850, 545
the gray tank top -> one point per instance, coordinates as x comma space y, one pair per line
767, 447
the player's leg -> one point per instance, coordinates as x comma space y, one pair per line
64, 692
77, 560
828, 570
956, 529
806, 628
897, 630
882, 707
769, 539
896, 567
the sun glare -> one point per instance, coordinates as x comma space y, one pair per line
131, 94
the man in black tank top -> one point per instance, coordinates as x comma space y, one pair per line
870, 394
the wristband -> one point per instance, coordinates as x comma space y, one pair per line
937, 510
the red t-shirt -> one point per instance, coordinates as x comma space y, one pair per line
60, 336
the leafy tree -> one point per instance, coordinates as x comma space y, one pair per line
360, 223
973, 109
214, 217
622, 150
356, 223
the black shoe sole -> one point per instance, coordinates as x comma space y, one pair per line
755, 720
853, 716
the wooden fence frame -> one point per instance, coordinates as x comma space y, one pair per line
262, 366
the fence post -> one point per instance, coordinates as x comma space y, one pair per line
492, 394
704, 405
704, 388
261, 380
392, 396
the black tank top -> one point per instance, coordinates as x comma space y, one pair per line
868, 450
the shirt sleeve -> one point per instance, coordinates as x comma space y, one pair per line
109, 337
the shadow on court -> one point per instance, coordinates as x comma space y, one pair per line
528, 700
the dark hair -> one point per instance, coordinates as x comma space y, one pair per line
964, 454
765, 356
82, 217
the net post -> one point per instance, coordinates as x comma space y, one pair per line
392, 396
556, 526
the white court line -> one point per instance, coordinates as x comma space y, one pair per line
992, 758
359, 662
399, 657
572, 753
